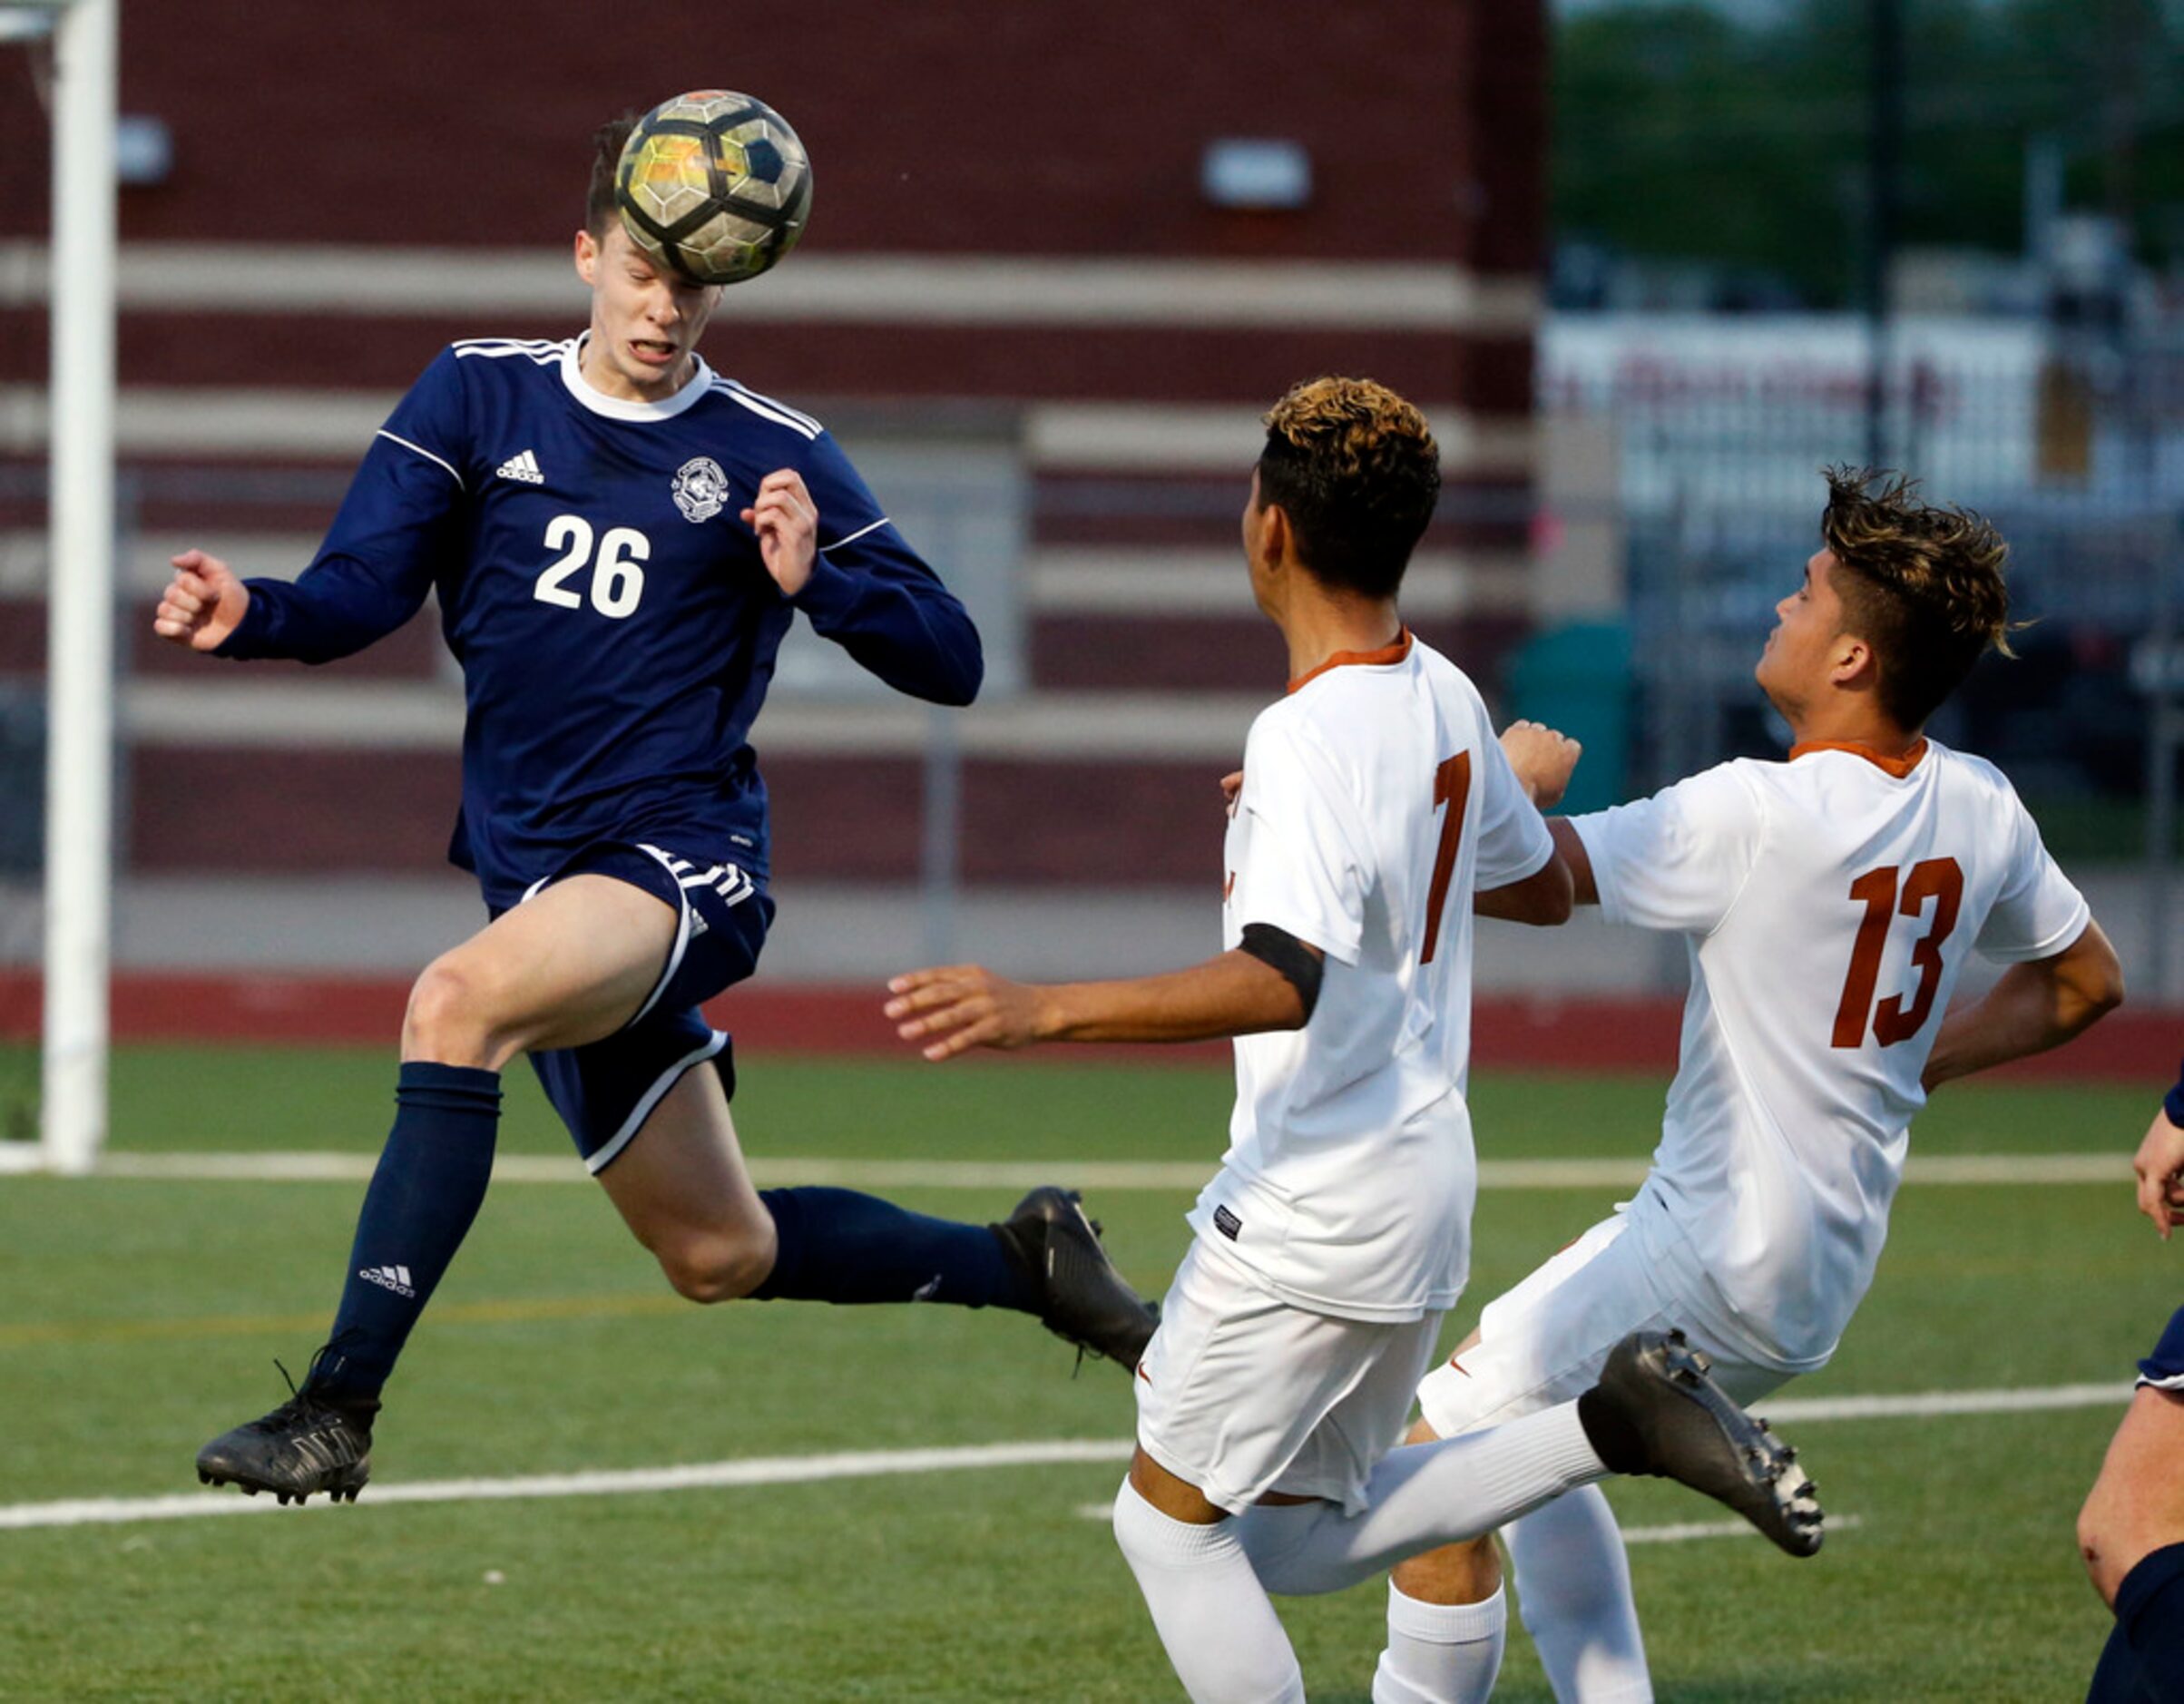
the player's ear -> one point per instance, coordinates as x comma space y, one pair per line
587, 257
1853, 664
1275, 536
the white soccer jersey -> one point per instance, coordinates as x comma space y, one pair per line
1829, 903
1376, 800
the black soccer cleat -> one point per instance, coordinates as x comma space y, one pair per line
1655, 1410
1081, 1297
311, 1443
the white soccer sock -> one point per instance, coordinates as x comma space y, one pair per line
1441, 1653
1573, 1586
1212, 1614
1422, 1496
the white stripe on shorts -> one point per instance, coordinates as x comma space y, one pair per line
682, 936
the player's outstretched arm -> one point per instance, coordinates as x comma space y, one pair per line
2160, 1165
202, 604
2031, 1008
953, 1008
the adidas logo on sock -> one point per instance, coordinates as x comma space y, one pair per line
390, 1277
524, 466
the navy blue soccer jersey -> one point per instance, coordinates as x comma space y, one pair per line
615, 624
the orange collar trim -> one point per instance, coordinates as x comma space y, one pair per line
1379, 658
1898, 767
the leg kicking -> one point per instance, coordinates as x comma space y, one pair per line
573, 977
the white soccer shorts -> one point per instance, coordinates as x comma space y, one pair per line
1241, 1394
1543, 1342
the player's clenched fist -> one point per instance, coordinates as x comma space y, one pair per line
202, 604
1542, 760
786, 522
961, 1007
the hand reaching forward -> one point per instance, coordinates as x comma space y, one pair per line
1542, 760
2159, 1163
965, 1007
786, 522
202, 604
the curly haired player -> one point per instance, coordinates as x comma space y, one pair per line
619, 539
1828, 904
1374, 814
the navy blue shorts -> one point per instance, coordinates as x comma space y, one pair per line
606, 1090
2164, 1368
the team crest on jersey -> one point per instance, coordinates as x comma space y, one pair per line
701, 489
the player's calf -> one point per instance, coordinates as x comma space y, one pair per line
1655, 1410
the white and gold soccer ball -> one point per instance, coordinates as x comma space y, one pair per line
714, 186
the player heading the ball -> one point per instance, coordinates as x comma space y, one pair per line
619, 538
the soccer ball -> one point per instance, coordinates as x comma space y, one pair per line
713, 186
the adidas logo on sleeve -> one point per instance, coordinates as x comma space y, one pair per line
524, 466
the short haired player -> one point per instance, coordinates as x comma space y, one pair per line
1375, 812
1828, 902
619, 539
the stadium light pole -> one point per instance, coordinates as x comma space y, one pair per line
80, 678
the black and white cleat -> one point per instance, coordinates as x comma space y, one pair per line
1656, 1411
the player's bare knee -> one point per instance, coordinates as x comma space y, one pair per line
448, 1018
716, 1267
1456, 1573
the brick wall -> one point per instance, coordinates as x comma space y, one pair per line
988, 128
986, 125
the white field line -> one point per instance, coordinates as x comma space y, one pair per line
1806, 1410
1681, 1532
774, 1470
1095, 1174
785, 1470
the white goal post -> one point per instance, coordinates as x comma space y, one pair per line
80, 666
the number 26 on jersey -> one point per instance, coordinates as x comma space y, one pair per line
617, 578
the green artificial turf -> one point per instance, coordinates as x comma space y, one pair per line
141, 1316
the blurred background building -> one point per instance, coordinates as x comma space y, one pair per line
1058, 264
1647, 267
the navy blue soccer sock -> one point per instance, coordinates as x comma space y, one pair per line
841, 1246
2144, 1661
431, 1178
